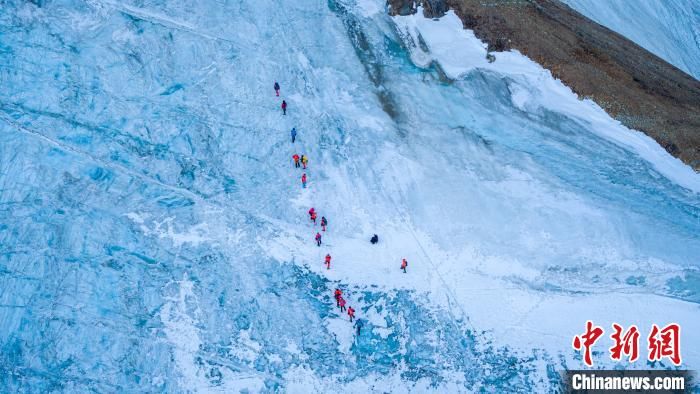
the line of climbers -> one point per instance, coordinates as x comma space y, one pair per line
340, 303
302, 161
324, 224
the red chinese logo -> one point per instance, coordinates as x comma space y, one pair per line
627, 344
662, 343
665, 342
587, 340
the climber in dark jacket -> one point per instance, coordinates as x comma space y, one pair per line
358, 324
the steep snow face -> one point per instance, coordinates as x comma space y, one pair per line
154, 237
669, 29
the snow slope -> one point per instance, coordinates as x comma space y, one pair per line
669, 29
153, 232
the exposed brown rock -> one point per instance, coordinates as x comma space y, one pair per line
401, 7
634, 86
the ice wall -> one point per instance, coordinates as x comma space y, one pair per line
153, 233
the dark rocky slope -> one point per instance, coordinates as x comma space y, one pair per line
633, 85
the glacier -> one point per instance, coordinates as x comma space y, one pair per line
669, 29
153, 231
